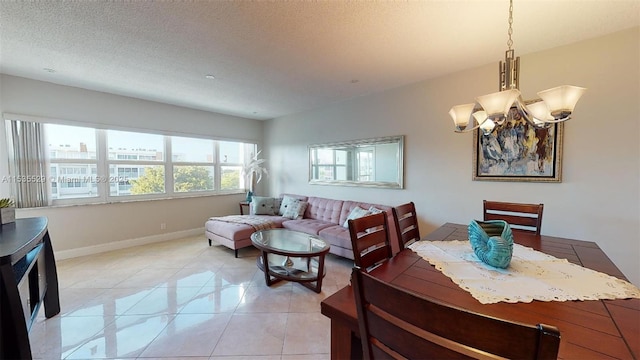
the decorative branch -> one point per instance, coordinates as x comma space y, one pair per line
255, 167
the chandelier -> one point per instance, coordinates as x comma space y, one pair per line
491, 110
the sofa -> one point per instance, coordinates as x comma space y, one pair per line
322, 217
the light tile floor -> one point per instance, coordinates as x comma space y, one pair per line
183, 299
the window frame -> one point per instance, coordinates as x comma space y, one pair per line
334, 165
103, 163
62, 161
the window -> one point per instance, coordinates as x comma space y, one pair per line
193, 164
125, 145
88, 165
136, 163
232, 157
73, 161
365, 159
329, 164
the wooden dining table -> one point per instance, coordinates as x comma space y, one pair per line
593, 329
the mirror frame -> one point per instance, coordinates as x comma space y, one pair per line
399, 184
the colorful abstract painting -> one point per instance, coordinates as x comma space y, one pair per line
518, 151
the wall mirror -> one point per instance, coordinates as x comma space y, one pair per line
369, 162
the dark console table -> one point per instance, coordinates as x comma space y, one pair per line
28, 278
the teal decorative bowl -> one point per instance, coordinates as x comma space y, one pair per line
492, 242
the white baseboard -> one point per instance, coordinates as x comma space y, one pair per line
123, 244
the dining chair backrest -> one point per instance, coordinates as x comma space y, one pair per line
370, 240
527, 217
396, 323
406, 221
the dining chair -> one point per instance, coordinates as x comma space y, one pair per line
526, 217
370, 240
396, 323
406, 221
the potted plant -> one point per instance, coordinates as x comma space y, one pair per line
254, 171
7, 211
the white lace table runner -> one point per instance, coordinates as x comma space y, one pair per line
532, 275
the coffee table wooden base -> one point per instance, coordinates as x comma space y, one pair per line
292, 256
308, 279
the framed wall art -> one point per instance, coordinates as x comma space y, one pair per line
518, 151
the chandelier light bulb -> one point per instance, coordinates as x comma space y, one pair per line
461, 115
487, 126
540, 113
497, 104
480, 116
561, 100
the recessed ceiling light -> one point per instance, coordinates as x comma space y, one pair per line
210, 77
49, 70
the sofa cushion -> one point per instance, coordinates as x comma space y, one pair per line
232, 231
309, 226
237, 231
327, 210
337, 236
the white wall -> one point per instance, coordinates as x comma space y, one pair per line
84, 228
599, 196
5, 190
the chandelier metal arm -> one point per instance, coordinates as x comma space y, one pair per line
568, 117
467, 130
526, 114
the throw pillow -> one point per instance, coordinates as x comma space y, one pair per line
295, 210
262, 206
276, 205
375, 210
357, 212
287, 201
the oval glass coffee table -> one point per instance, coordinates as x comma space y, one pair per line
291, 255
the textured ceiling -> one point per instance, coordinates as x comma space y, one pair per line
273, 58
